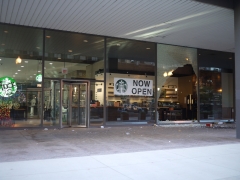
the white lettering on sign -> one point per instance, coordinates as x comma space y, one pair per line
138, 87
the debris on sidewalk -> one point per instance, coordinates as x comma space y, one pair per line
220, 125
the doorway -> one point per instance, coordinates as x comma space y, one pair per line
75, 109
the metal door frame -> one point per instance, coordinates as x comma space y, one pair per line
71, 82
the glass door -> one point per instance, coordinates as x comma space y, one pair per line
74, 104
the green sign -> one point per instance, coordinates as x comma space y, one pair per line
8, 86
39, 78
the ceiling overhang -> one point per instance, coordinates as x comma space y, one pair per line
184, 23
221, 3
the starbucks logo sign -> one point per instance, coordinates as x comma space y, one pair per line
121, 86
8, 86
39, 78
133, 87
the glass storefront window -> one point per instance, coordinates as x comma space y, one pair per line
177, 74
130, 80
77, 57
21, 60
216, 85
96, 103
182, 74
51, 102
73, 55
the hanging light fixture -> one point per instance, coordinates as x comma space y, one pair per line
170, 73
18, 60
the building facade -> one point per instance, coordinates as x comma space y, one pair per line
61, 79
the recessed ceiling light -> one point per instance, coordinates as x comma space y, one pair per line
70, 50
26, 61
148, 48
0, 59
16, 73
50, 63
19, 70
22, 66
85, 40
39, 71
34, 74
48, 37
6, 31
186, 59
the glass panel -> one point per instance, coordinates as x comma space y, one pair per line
20, 64
78, 104
96, 104
65, 104
83, 104
210, 94
177, 74
130, 80
75, 104
216, 85
34, 106
51, 102
74, 110
73, 56
216, 94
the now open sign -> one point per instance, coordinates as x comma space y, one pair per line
138, 87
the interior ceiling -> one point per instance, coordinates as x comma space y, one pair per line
177, 22
26, 71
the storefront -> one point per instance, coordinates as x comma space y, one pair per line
63, 79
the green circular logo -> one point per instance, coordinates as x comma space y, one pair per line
121, 86
39, 78
8, 86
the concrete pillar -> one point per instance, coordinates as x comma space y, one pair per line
237, 65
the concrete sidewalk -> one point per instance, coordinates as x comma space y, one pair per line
136, 152
219, 162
